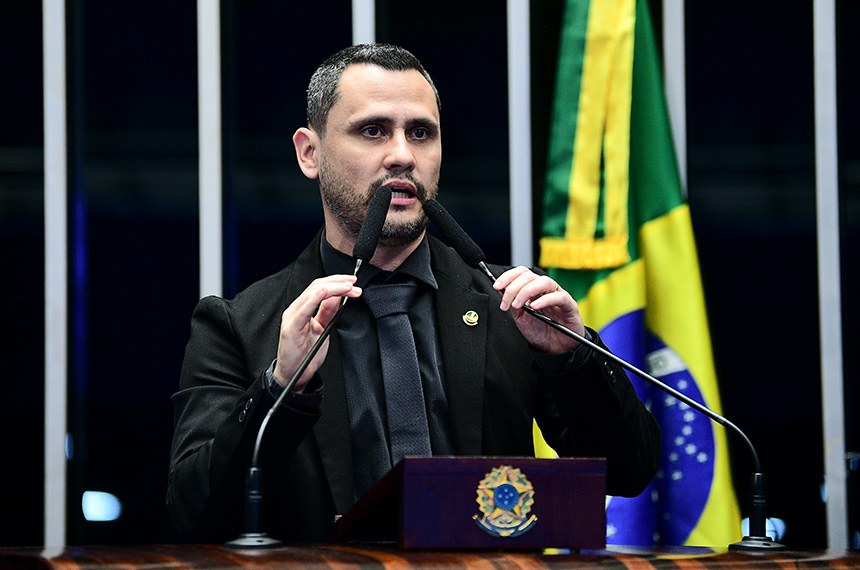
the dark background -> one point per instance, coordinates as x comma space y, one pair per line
133, 215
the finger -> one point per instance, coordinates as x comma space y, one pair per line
551, 295
504, 280
328, 309
306, 305
529, 287
510, 283
559, 298
531, 290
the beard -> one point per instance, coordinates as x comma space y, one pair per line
349, 206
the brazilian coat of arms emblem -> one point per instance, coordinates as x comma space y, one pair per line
505, 498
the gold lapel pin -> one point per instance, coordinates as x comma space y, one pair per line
470, 318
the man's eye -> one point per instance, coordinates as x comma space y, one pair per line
372, 131
420, 133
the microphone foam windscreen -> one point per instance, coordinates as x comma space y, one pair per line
459, 240
368, 235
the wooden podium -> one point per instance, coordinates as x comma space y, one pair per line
336, 556
483, 503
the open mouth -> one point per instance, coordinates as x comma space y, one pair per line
401, 194
402, 191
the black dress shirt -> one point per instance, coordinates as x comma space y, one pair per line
362, 368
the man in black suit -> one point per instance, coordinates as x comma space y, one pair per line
487, 370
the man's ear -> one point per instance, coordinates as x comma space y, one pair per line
306, 141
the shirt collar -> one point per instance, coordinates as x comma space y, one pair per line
417, 265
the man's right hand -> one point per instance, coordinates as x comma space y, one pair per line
304, 321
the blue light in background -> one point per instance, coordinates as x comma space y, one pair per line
774, 528
100, 506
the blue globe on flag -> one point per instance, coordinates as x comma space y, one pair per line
670, 507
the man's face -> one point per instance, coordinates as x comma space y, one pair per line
382, 131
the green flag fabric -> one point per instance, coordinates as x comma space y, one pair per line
617, 234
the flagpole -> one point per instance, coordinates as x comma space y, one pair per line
675, 80
363, 21
829, 297
519, 132
210, 147
56, 271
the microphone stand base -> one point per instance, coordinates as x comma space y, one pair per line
254, 540
756, 544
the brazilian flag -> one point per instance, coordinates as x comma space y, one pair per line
617, 234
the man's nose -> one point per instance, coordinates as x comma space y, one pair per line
399, 155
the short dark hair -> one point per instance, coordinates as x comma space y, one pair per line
323, 92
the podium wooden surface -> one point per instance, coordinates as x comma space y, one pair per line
192, 556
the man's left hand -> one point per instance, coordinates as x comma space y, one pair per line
521, 286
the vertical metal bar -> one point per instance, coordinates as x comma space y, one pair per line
520, 131
675, 79
363, 21
209, 134
56, 270
829, 296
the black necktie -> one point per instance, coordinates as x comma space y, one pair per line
404, 398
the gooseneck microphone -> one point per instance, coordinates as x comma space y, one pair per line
371, 228
365, 245
757, 540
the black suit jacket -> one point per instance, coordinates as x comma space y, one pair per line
494, 393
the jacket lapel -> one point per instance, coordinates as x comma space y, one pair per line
464, 346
